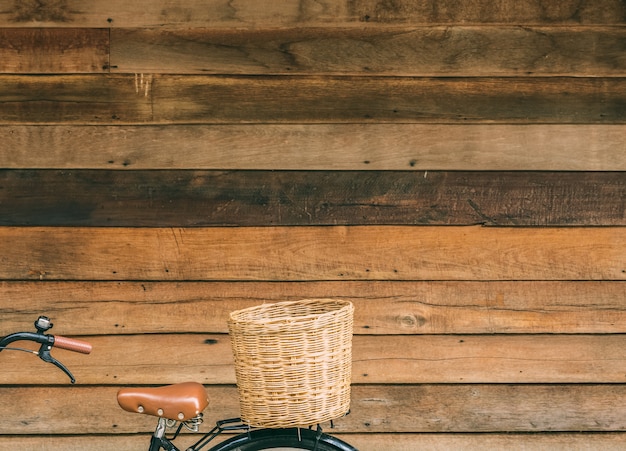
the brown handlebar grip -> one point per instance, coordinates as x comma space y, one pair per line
72, 345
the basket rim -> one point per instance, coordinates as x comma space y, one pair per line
239, 316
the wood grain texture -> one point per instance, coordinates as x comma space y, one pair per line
313, 253
409, 51
606, 441
400, 359
196, 99
224, 13
374, 409
171, 198
56, 50
476, 147
71, 98
415, 158
485, 11
381, 308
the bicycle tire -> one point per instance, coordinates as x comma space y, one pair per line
292, 439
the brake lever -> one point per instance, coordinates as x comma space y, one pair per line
44, 354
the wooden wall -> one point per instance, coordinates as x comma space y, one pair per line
455, 168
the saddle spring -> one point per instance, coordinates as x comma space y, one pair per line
193, 424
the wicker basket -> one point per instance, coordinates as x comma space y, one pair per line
293, 361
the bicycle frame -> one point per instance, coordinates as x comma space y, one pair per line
159, 441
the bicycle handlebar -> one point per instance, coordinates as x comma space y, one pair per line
72, 344
47, 341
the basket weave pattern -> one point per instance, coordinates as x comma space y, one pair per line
293, 361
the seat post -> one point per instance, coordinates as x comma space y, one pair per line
159, 433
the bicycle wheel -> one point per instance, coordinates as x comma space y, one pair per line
292, 439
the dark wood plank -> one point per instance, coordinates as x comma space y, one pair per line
385, 408
221, 13
409, 51
384, 359
380, 307
198, 99
475, 147
313, 253
486, 11
54, 50
125, 99
256, 198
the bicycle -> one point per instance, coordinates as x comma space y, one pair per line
181, 405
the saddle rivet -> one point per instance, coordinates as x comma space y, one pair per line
181, 416
160, 412
140, 409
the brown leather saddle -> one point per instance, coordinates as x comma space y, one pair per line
179, 402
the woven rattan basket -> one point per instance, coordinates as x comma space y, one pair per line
293, 361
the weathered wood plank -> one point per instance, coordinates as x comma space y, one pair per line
476, 147
193, 99
380, 307
223, 13
169, 198
606, 441
399, 408
486, 11
313, 253
399, 359
56, 50
492, 358
196, 99
72, 98
426, 51
488, 442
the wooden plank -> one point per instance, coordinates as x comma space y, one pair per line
374, 409
486, 359
400, 359
486, 11
409, 51
171, 198
487, 442
85, 442
607, 441
476, 147
72, 98
56, 50
313, 253
380, 307
196, 99
222, 13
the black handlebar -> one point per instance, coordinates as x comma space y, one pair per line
47, 341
